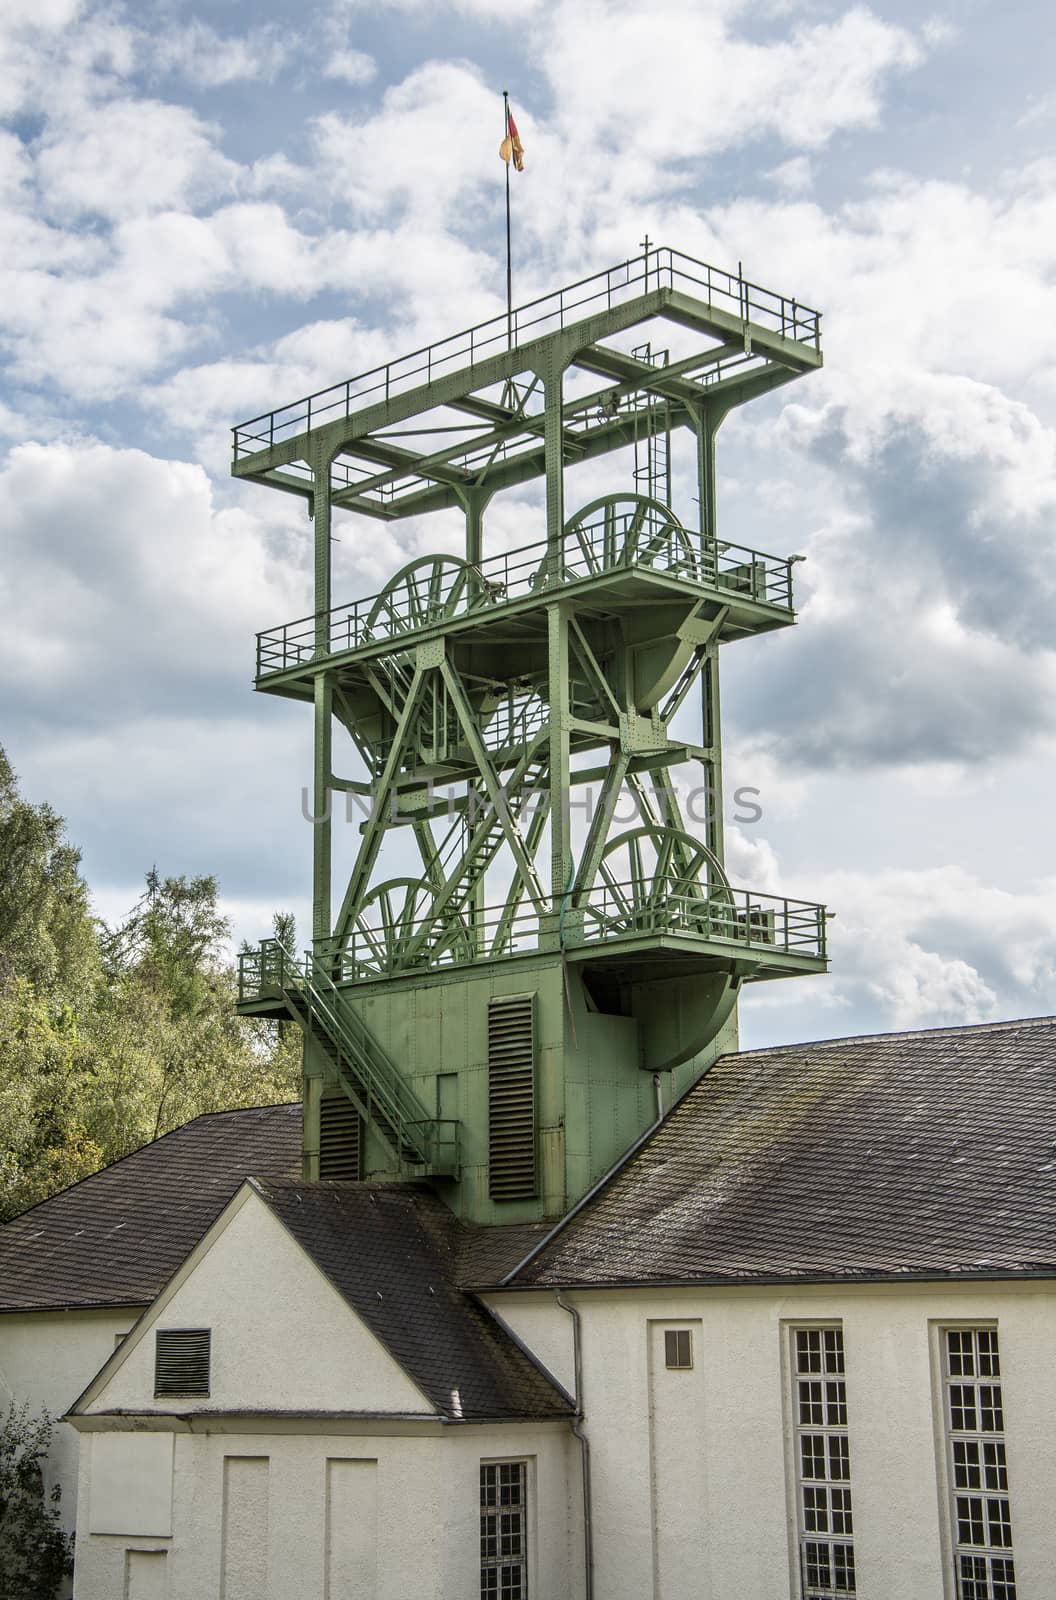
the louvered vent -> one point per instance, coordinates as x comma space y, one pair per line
511, 1098
340, 1138
181, 1361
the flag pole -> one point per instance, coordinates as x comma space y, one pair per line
509, 251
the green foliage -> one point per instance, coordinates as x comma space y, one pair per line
110, 1037
35, 1553
46, 930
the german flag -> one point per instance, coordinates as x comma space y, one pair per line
511, 147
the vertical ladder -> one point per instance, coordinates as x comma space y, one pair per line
652, 452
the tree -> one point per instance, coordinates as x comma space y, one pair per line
170, 1012
112, 1036
35, 1552
49, 969
47, 933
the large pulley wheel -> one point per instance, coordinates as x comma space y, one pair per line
656, 878
627, 530
422, 593
388, 922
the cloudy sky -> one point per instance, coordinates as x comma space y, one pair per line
212, 208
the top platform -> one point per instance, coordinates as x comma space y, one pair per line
484, 428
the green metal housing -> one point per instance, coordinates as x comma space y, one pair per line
505, 1010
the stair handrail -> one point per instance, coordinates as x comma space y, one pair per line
395, 1097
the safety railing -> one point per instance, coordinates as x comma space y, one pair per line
732, 916
589, 551
757, 924
506, 730
658, 268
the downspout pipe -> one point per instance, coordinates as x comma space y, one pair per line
584, 1446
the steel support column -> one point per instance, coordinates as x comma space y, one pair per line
706, 423
553, 376
560, 818
322, 830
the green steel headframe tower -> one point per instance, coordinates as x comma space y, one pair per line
501, 1013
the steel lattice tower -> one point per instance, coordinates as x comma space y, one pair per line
500, 1015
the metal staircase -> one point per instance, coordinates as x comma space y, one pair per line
481, 839
424, 1146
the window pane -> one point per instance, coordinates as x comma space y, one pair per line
808, 1350
995, 1472
967, 1469
810, 1406
961, 1355
991, 1414
678, 1347
962, 1407
812, 1455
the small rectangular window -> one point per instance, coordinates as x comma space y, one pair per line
504, 1529
678, 1348
181, 1361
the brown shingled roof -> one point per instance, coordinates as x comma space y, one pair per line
392, 1251
115, 1238
931, 1153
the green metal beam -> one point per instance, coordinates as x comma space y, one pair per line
525, 466
666, 381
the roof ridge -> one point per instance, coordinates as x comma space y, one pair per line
892, 1033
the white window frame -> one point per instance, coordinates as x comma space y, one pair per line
527, 1560
837, 1493
960, 1586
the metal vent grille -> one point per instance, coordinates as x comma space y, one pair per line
511, 1098
340, 1139
181, 1361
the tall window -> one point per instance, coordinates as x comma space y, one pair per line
504, 1529
822, 1464
978, 1473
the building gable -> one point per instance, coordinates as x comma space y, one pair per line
282, 1339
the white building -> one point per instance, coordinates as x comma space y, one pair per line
801, 1339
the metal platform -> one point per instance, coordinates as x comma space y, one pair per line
749, 340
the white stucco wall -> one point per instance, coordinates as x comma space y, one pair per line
292, 1504
415, 1500
690, 1488
282, 1337
49, 1358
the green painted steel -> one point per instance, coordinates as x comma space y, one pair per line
504, 705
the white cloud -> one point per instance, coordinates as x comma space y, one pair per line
130, 157
917, 949
942, 945
60, 53
482, 10
794, 176
128, 588
210, 59
353, 66
680, 82
1043, 110
435, 136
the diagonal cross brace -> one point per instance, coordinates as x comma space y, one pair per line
374, 831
